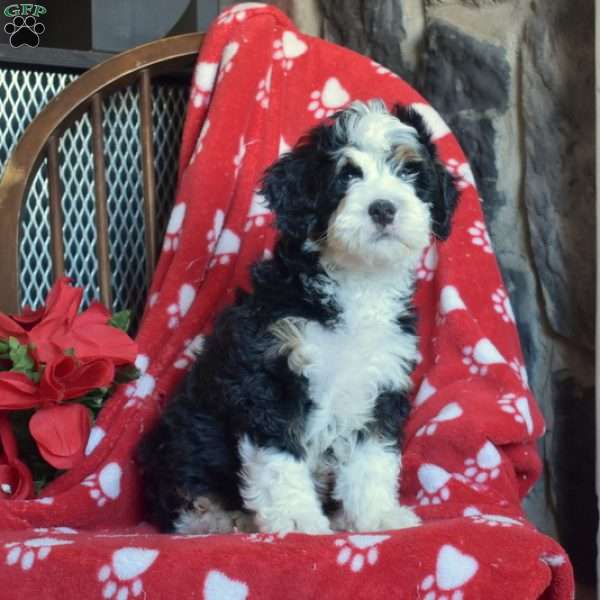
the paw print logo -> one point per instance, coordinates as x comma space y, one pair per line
24, 31
426, 390
288, 48
428, 265
204, 83
490, 520
520, 371
481, 356
480, 237
518, 407
200, 143
433, 480
326, 101
105, 485
144, 384
238, 13
259, 213
448, 413
178, 310
284, 147
192, 347
264, 89
357, 550
223, 243
453, 570
502, 305
227, 57
172, 235
485, 466
26, 553
462, 173
122, 576
438, 127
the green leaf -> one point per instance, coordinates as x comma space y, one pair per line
69, 351
22, 362
3, 349
121, 320
126, 374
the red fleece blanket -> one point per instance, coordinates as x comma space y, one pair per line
470, 452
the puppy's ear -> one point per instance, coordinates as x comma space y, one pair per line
443, 195
284, 188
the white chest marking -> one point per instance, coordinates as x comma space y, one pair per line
348, 366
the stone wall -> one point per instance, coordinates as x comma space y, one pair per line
515, 81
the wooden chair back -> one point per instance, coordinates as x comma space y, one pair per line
40, 140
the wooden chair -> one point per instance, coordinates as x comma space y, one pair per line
139, 66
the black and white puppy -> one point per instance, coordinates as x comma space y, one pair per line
298, 398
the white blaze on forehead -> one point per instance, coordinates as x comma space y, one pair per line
371, 127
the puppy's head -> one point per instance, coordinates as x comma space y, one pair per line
365, 189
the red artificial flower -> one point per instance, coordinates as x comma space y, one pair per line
16, 482
66, 378
91, 336
17, 391
61, 433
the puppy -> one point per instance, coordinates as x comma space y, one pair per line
291, 417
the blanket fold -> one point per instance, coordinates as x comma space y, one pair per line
469, 455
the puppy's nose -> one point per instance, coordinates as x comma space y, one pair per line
382, 212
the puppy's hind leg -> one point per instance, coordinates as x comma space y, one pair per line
208, 516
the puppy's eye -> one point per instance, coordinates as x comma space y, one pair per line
409, 169
350, 172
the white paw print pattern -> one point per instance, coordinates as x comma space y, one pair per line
284, 147
448, 413
143, 386
358, 550
554, 560
518, 407
122, 576
288, 48
453, 570
326, 101
520, 371
450, 300
478, 517
178, 310
426, 390
503, 306
264, 89
436, 124
173, 233
200, 143
433, 480
462, 172
481, 356
259, 213
428, 265
217, 586
105, 485
381, 70
227, 57
153, 299
485, 465
97, 434
238, 13
480, 236
192, 347
223, 243
204, 83
238, 159
25, 554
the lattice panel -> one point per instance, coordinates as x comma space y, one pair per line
22, 95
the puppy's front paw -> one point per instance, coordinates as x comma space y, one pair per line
313, 524
399, 517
